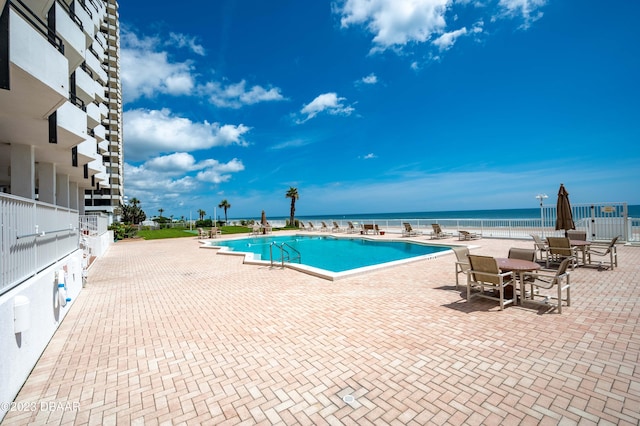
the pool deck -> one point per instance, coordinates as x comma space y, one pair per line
168, 333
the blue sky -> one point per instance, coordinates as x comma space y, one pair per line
373, 106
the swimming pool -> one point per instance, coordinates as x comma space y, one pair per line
330, 256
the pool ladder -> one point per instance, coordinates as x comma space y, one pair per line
285, 253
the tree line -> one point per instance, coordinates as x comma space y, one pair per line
133, 213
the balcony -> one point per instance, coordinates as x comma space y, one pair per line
99, 133
86, 19
85, 86
87, 151
72, 125
39, 84
93, 115
103, 147
72, 35
95, 65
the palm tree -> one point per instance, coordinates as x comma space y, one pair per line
224, 204
293, 194
161, 210
132, 213
201, 213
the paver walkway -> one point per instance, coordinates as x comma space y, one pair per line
168, 333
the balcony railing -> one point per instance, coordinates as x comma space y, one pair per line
33, 236
37, 23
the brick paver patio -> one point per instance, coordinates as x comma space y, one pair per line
168, 333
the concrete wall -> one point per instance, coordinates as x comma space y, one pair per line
20, 351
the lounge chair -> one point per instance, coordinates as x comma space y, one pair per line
438, 233
484, 279
202, 233
311, 227
371, 227
466, 235
462, 262
324, 227
603, 250
541, 248
301, 226
559, 249
267, 228
549, 279
408, 230
351, 229
336, 228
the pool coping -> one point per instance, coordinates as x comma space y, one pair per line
250, 259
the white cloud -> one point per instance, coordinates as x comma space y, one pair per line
218, 172
370, 79
527, 9
236, 95
399, 24
396, 22
446, 40
147, 72
161, 180
151, 132
370, 156
327, 102
182, 40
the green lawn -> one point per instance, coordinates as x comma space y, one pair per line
156, 234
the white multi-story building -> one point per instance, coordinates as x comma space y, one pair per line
60, 149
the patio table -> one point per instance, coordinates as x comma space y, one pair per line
583, 246
517, 266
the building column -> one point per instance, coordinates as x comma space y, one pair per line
62, 190
23, 176
73, 195
47, 182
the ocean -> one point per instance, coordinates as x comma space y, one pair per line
530, 213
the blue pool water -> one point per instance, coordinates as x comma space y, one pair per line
331, 253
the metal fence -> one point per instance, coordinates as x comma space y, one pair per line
93, 224
601, 221
33, 235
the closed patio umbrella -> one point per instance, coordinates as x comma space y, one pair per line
263, 219
564, 217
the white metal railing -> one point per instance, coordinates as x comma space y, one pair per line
601, 221
33, 235
93, 224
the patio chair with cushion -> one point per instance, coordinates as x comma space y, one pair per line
547, 280
484, 279
604, 250
560, 249
462, 262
